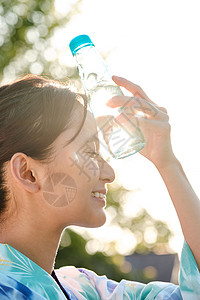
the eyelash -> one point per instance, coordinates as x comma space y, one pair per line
94, 153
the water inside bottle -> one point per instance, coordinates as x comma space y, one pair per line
121, 140
99, 95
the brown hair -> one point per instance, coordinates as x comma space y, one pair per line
34, 111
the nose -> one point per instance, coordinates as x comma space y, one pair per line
107, 173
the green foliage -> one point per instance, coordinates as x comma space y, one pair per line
26, 29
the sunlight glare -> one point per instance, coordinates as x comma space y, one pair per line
63, 6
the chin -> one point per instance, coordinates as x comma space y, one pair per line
98, 221
94, 222
97, 224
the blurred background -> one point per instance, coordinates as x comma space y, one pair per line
156, 45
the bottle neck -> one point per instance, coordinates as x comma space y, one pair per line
92, 68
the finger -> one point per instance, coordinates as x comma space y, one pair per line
118, 101
134, 102
135, 89
163, 109
157, 125
142, 104
131, 115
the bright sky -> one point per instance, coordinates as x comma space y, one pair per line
156, 45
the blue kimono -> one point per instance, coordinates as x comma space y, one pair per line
21, 278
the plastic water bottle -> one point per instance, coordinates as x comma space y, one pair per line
117, 140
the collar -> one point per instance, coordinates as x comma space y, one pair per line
16, 265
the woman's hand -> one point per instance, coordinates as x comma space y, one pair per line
154, 123
156, 129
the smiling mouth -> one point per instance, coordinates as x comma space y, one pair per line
99, 195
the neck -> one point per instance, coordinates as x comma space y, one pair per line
34, 242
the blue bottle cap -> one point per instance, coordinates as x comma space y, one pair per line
79, 42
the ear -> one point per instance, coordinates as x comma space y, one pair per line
23, 174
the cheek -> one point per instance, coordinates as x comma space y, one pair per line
86, 168
59, 189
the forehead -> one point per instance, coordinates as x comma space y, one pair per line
88, 131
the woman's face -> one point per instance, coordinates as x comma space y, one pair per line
75, 174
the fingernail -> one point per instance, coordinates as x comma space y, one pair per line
116, 76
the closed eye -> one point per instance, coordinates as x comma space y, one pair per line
94, 154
